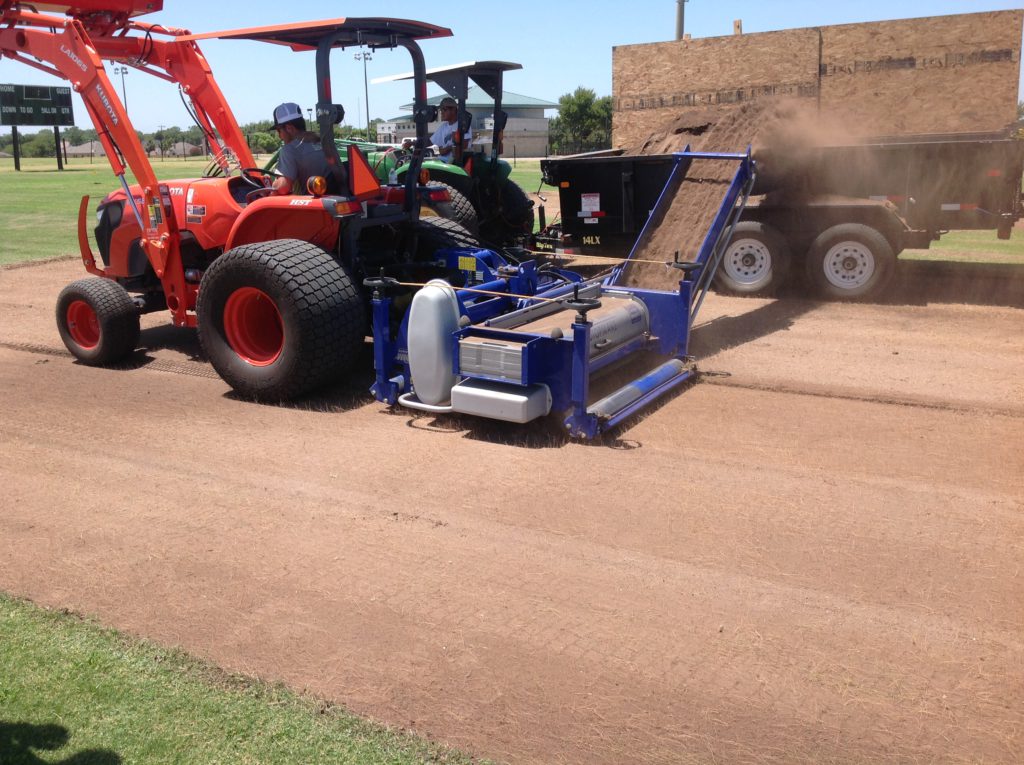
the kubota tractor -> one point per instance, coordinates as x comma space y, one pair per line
273, 283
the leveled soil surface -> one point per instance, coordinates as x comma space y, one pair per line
815, 557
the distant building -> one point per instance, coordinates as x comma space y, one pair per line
526, 132
88, 149
183, 149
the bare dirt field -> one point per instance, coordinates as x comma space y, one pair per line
814, 557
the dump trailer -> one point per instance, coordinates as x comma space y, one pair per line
838, 215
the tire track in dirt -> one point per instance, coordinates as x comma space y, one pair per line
738, 575
759, 598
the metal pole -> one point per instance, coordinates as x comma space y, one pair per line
366, 93
680, 12
123, 70
56, 146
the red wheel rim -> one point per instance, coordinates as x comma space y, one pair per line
253, 326
83, 325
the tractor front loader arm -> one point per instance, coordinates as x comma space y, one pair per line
62, 47
183, 63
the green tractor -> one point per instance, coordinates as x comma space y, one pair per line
502, 213
481, 195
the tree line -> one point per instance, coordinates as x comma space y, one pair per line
260, 135
584, 123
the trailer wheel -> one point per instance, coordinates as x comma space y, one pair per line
458, 209
850, 261
98, 321
278, 319
756, 261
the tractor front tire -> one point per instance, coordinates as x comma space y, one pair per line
278, 319
98, 321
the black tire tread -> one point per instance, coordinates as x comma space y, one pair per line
884, 255
437, 233
512, 215
326, 304
781, 260
462, 210
117, 314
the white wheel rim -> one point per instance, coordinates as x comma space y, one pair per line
747, 262
849, 265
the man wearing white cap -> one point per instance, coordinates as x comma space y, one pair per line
301, 156
444, 136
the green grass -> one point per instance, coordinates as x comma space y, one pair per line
973, 247
71, 691
526, 173
39, 205
39, 210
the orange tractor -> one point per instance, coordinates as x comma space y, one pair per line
273, 283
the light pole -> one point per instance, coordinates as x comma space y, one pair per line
364, 57
680, 12
122, 70
309, 111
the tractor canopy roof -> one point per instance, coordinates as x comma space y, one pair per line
372, 32
455, 77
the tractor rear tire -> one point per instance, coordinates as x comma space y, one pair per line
278, 319
756, 261
458, 209
440, 233
98, 321
850, 261
511, 216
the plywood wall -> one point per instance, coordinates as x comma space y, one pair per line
944, 74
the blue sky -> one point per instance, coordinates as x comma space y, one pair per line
562, 44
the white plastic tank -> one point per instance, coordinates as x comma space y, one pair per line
433, 317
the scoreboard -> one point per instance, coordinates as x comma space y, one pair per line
40, 105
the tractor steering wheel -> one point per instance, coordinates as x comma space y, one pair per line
258, 177
262, 191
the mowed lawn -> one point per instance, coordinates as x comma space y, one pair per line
72, 691
39, 205
39, 210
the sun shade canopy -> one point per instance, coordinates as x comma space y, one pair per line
469, 68
372, 32
455, 78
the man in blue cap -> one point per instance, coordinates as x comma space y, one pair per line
301, 156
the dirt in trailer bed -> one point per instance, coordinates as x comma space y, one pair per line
781, 135
813, 554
